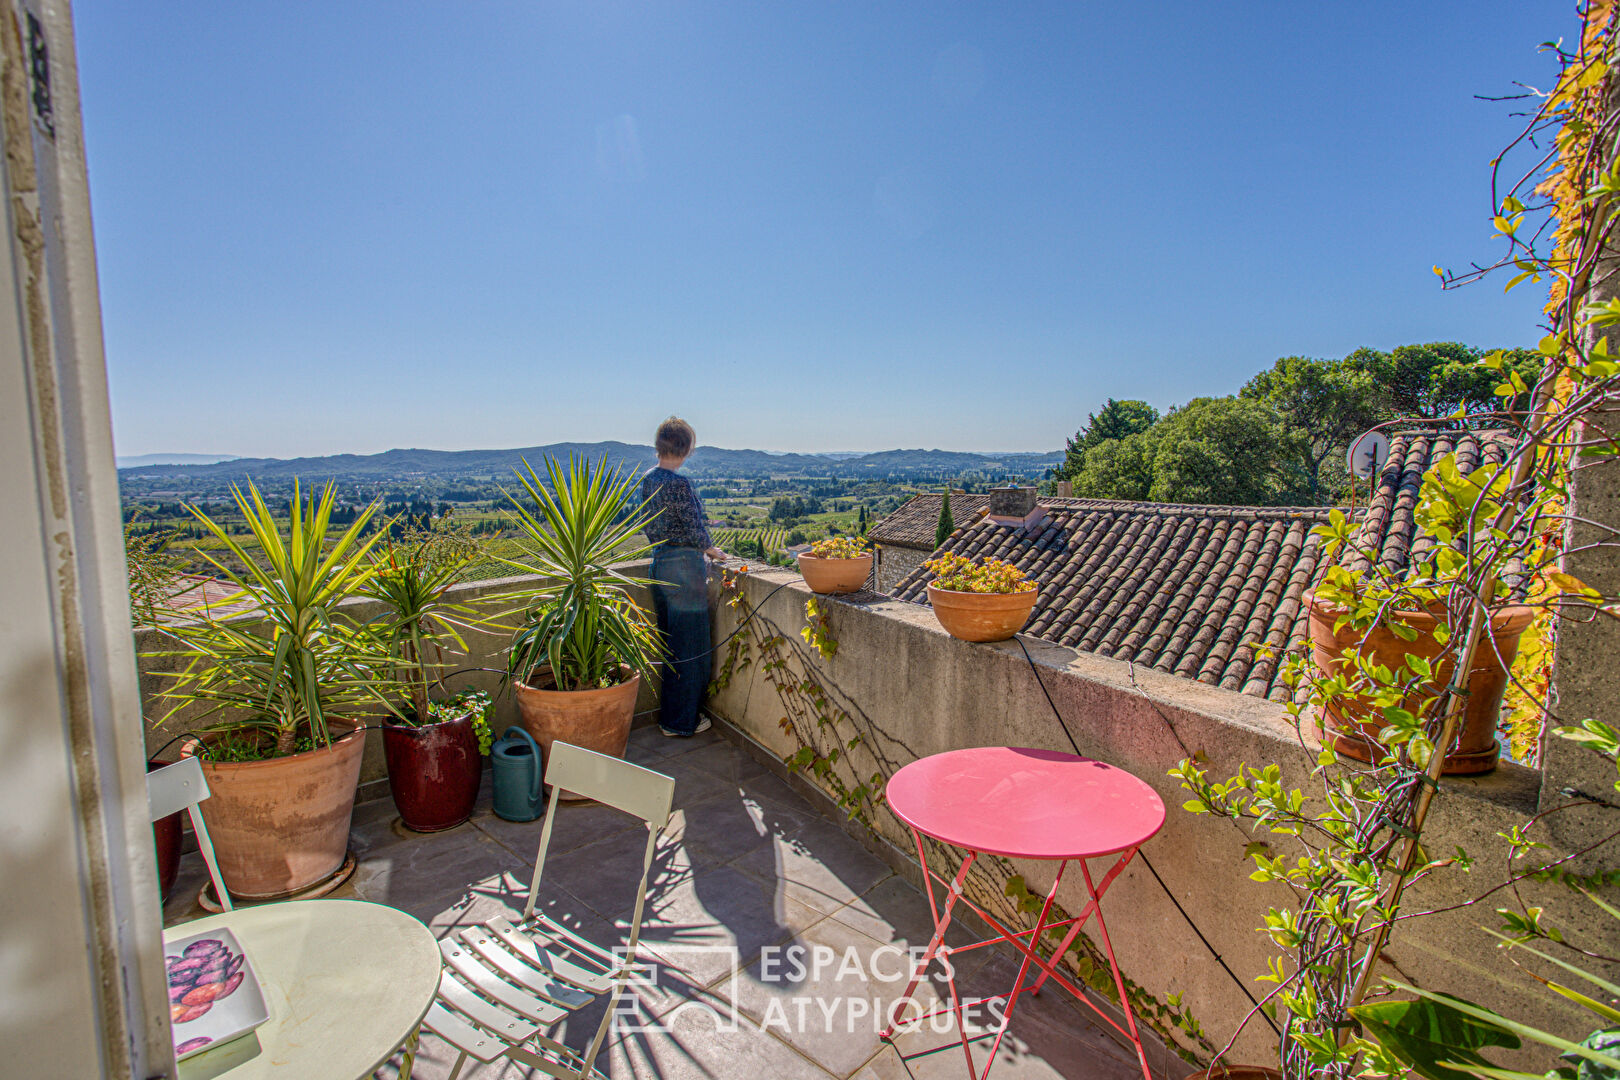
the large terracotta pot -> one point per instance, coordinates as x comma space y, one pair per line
166, 835
282, 825
594, 719
434, 772
981, 616
827, 576
1350, 728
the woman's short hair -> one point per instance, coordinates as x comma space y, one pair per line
675, 438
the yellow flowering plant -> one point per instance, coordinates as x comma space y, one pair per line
840, 547
958, 573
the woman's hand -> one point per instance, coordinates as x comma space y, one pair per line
716, 554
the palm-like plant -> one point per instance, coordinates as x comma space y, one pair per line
298, 663
583, 623
412, 580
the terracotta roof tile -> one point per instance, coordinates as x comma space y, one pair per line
1198, 591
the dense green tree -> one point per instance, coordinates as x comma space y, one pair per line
1434, 381
945, 525
1223, 451
1321, 405
1116, 420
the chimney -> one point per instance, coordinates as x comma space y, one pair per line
1015, 507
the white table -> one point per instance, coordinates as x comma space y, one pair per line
346, 983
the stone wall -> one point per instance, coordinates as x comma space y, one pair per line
894, 563
910, 691
485, 650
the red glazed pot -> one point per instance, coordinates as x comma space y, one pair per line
434, 772
166, 835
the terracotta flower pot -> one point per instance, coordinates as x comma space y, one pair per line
1235, 1072
981, 616
1350, 729
166, 835
594, 719
282, 825
433, 772
828, 576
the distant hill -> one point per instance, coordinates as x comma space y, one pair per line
139, 460
706, 461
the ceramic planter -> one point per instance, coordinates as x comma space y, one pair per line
594, 719
282, 825
981, 616
433, 772
166, 835
829, 576
1349, 728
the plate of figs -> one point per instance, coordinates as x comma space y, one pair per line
213, 996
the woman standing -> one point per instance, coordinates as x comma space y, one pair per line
681, 597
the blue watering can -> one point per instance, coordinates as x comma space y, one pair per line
515, 758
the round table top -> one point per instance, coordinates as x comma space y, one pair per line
344, 982
1027, 804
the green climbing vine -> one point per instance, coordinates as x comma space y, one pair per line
827, 734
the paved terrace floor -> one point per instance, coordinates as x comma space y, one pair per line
746, 865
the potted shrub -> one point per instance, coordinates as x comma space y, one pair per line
1381, 639
979, 601
435, 744
838, 564
583, 645
286, 681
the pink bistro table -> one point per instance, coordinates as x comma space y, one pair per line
1023, 804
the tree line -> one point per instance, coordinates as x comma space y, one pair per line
1282, 438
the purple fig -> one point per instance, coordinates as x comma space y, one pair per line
230, 986
189, 964
205, 947
178, 992
235, 965
192, 1044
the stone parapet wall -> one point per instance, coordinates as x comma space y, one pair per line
910, 691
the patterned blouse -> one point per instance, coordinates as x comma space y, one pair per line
680, 512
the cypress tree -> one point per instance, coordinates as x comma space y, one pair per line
946, 526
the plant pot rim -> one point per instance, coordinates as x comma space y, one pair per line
932, 588
393, 725
188, 747
835, 558
632, 678
1505, 615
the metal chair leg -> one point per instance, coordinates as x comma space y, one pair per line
460, 1061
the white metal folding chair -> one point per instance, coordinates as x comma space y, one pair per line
181, 787
504, 986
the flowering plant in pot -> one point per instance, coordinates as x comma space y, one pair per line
435, 745
583, 644
838, 564
284, 683
988, 600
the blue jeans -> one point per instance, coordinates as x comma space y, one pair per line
682, 607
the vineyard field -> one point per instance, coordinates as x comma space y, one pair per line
774, 539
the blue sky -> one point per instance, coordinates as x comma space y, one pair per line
804, 226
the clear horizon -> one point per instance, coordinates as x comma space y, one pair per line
332, 231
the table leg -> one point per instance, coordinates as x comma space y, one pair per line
1092, 907
1023, 968
941, 923
409, 1061
1119, 979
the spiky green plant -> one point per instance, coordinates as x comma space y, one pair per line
412, 579
583, 622
290, 662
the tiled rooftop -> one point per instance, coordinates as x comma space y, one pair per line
1196, 590
746, 864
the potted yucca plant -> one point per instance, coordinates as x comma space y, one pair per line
284, 683
988, 600
838, 564
583, 645
435, 744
